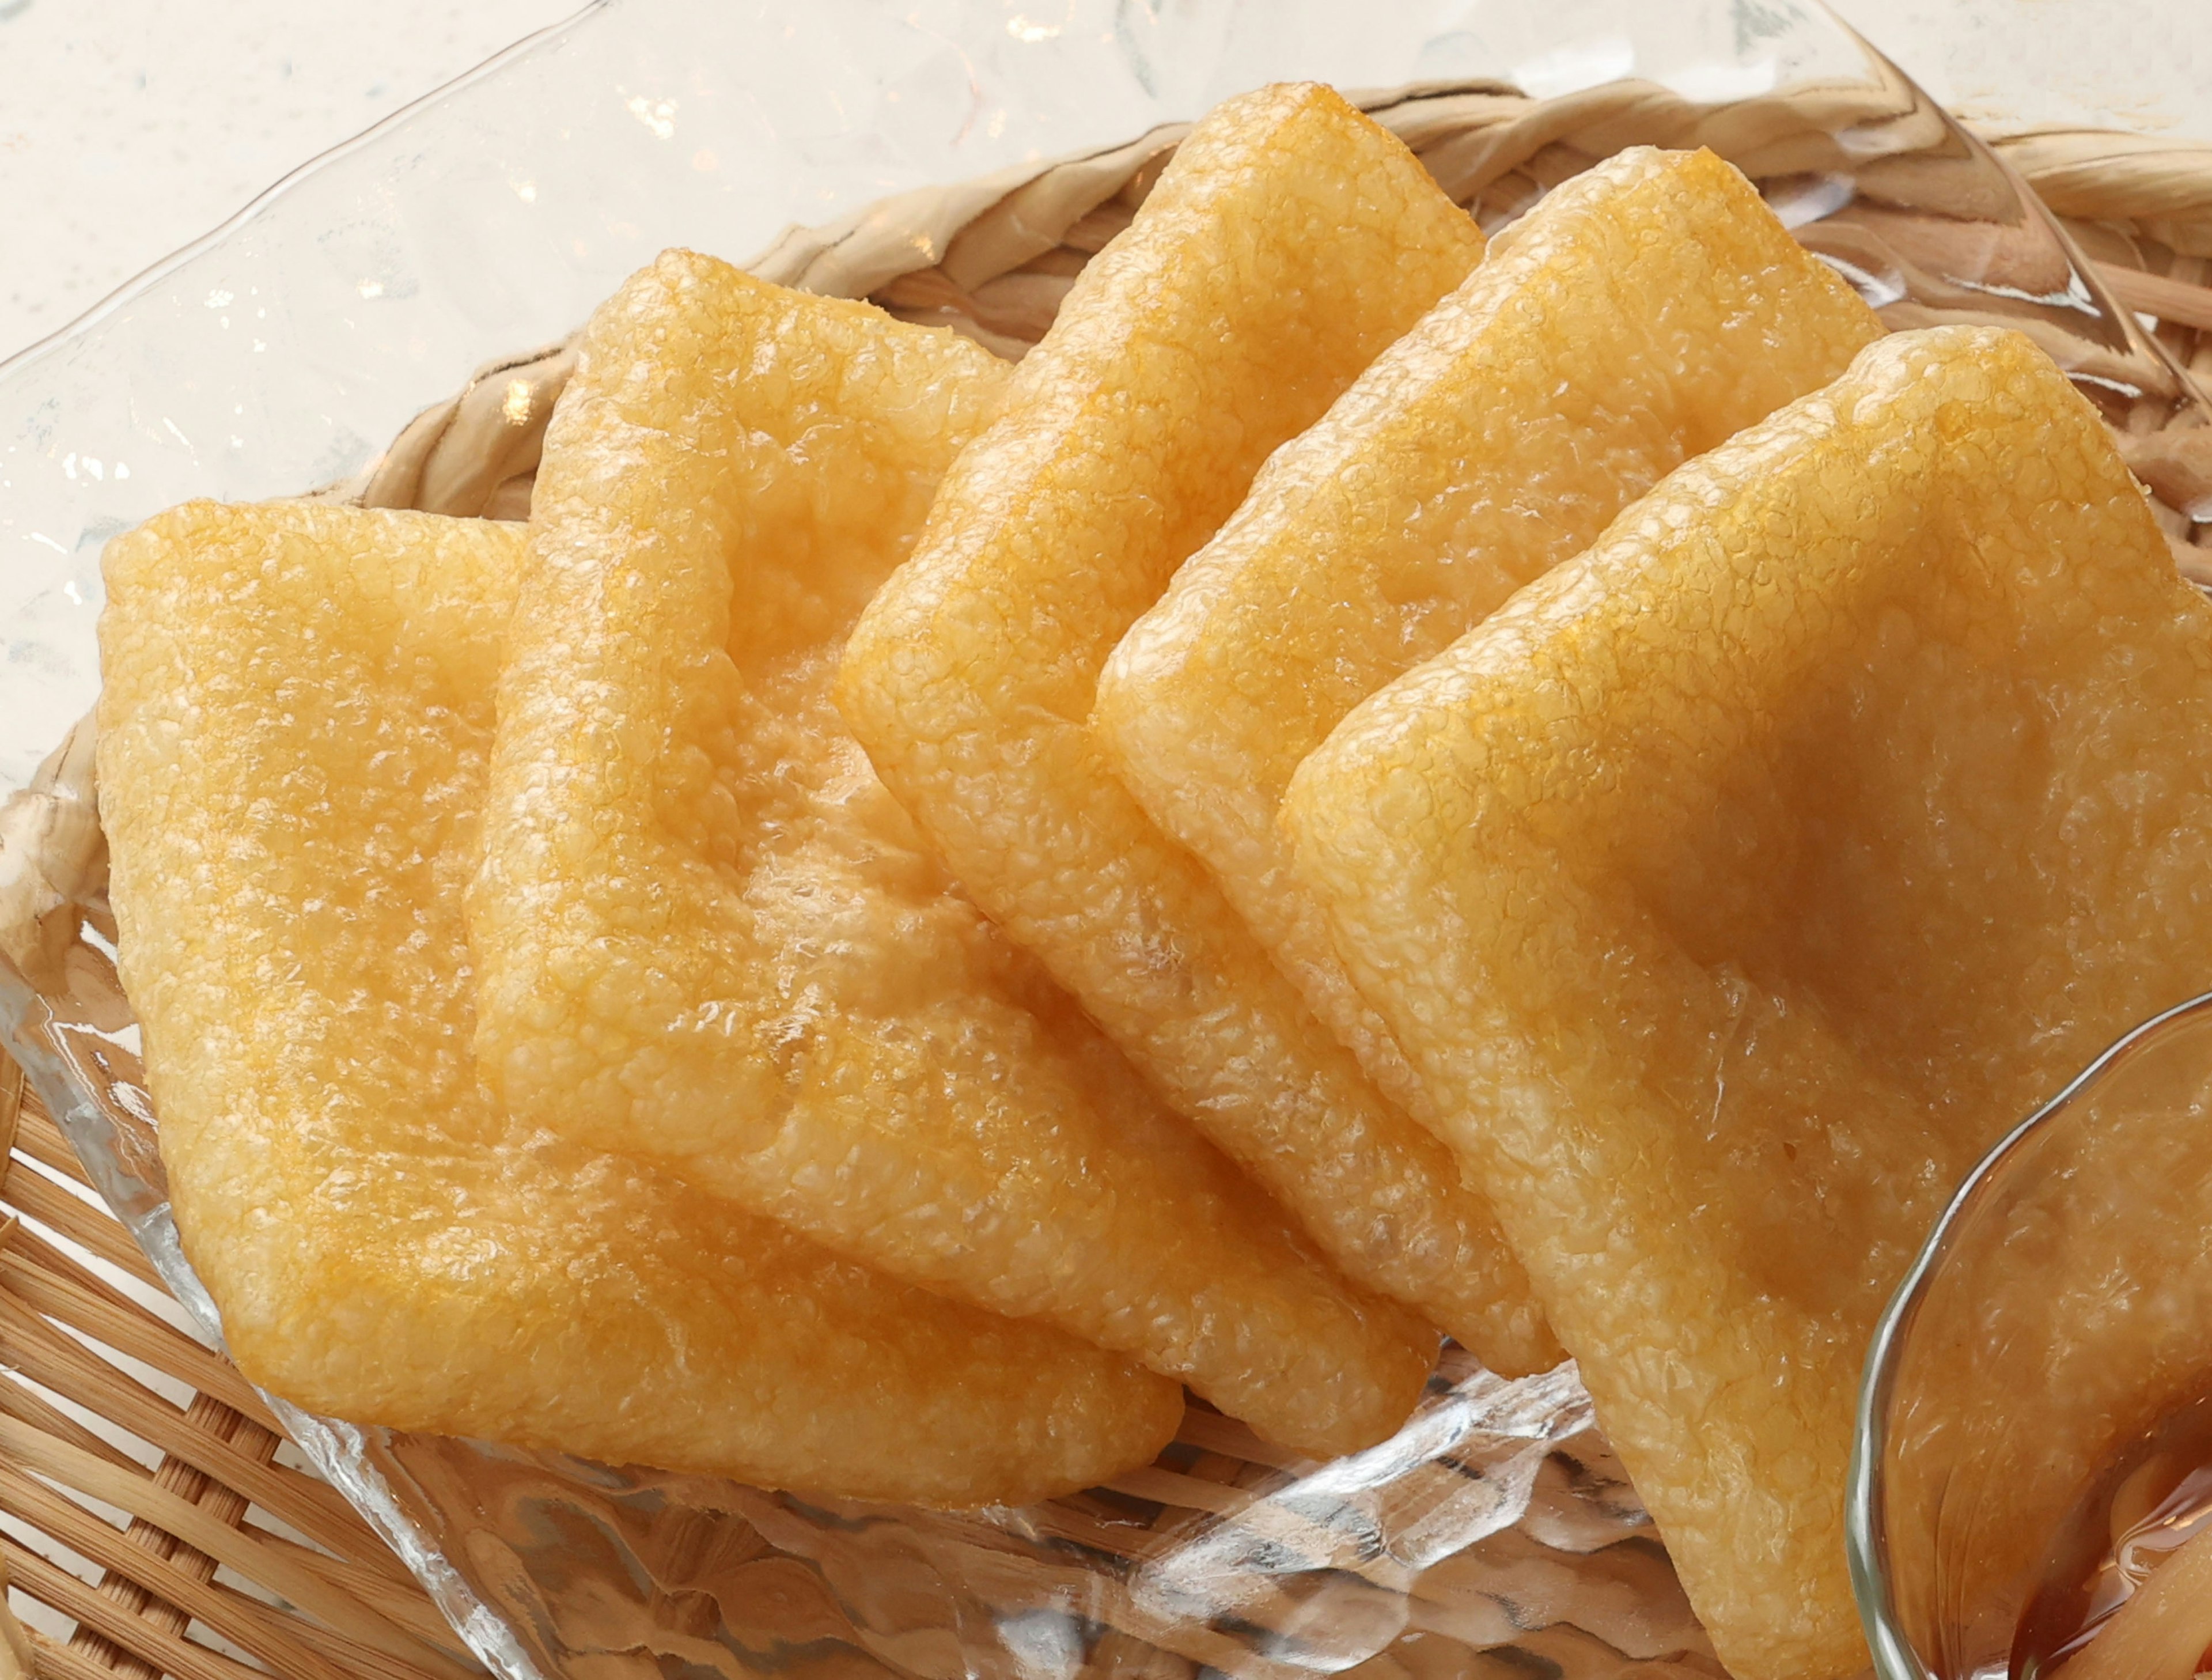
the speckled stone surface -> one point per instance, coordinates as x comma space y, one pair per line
129, 127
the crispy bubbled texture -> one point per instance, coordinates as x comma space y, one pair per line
1741, 881
707, 933
294, 726
1644, 311
1289, 241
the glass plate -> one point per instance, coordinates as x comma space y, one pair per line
1495, 1534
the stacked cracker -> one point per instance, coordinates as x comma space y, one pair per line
920, 908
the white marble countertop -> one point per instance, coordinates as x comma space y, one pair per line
129, 127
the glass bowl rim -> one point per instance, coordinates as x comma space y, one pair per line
1865, 1504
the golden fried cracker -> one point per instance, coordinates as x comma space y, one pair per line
294, 734
1289, 241
1738, 883
707, 933
1645, 311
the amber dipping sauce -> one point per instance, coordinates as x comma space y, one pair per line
2149, 1501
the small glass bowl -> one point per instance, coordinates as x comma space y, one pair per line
2062, 1307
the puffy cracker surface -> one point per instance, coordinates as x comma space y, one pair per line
1288, 242
294, 732
1739, 882
1645, 311
708, 934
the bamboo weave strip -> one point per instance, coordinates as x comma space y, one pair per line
133, 1522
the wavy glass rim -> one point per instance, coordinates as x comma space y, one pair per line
164, 267
1865, 1502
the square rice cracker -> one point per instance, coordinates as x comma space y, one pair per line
1738, 883
294, 730
1288, 243
1644, 311
707, 935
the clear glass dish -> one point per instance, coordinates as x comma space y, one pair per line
2059, 1311
282, 352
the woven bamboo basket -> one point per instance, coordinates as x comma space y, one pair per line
153, 1519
